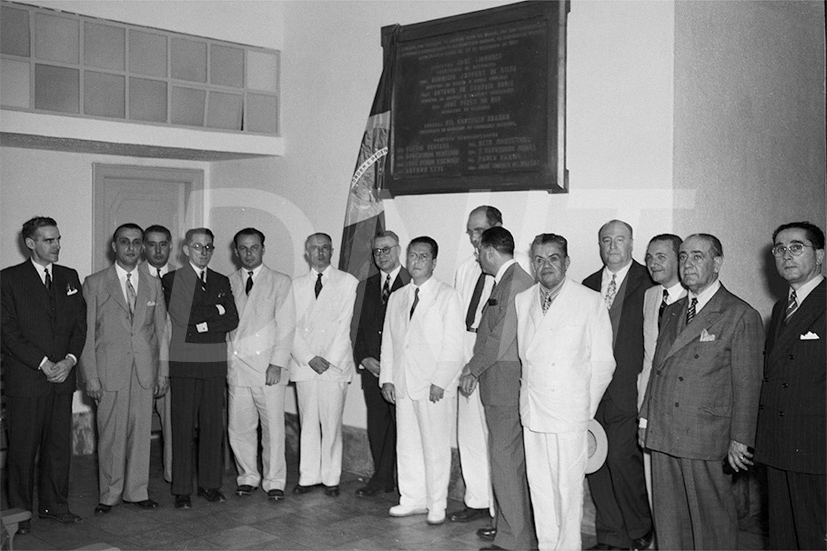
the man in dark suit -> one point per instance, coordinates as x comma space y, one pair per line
202, 311
371, 301
618, 488
44, 329
791, 413
701, 404
496, 366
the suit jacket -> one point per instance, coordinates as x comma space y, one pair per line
191, 304
791, 412
566, 354
323, 325
627, 327
114, 338
652, 300
32, 330
266, 326
426, 348
705, 381
371, 313
496, 362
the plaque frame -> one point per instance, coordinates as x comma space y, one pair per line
549, 139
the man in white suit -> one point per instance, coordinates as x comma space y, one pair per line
126, 318
420, 364
564, 337
257, 374
662, 263
322, 364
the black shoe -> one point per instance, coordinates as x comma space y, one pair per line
183, 502
299, 489
367, 491
211, 495
643, 542
492, 548
331, 491
66, 518
144, 503
468, 514
24, 527
102, 509
244, 490
275, 495
604, 547
488, 533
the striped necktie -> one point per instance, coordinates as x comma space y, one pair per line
386, 289
792, 306
690, 312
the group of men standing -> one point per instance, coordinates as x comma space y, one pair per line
664, 357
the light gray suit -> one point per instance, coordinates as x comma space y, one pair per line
122, 352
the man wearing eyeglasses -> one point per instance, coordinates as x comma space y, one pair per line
701, 404
791, 414
371, 302
202, 311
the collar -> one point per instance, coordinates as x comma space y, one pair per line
676, 292
805, 289
393, 274
39, 269
257, 270
198, 270
122, 274
503, 269
553, 293
325, 273
620, 276
425, 286
153, 271
704, 296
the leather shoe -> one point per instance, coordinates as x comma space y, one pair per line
183, 502
488, 533
144, 504
300, 490
643, 542
468, 514
66, 518
492, 548
604, 547
102, 509
367, 491
244, 490
212, 495
331, 491
24, 527
275, 495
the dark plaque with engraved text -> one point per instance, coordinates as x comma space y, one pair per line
479, 102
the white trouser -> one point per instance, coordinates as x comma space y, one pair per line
247, 407
556, 468
472, 441
321, 404
423, 451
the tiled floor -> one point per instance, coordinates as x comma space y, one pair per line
311, 521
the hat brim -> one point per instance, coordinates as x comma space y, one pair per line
598, 447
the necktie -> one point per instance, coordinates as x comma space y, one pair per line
662, 306
792, 306
611, 291
203, 276
48, 281
546, 298
386, 289
131, 297
415, 302
471, 316
159, 272
318, 288
249, 285
690, 312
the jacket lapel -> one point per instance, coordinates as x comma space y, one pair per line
36, 287
141, 300
710, 313
113, 287
803, 318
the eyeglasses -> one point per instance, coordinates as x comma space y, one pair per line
383, 250
198, 247
780, 251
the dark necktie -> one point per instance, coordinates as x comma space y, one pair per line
662, 306
159, 273
415, 302
792, 306
48, 281
690, 312
318, 288
203, 276
386, 289
471, 316
249, 286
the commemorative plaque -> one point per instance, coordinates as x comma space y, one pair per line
478, 101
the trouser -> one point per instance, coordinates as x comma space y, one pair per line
321, 404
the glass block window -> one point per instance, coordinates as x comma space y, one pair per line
66, 63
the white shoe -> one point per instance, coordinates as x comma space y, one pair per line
435, 518
405, 511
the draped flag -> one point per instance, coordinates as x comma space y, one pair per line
365, 214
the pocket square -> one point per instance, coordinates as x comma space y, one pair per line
809, 336
70, 291
151, 303
706, 336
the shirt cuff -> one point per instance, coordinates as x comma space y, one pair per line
73, 358
43, 361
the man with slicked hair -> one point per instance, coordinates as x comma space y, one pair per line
702, 403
